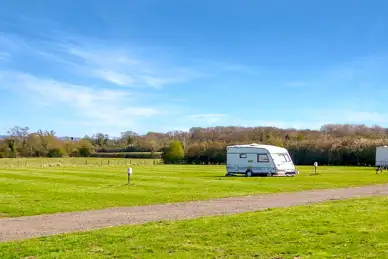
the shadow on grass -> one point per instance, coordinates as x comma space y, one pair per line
232, 176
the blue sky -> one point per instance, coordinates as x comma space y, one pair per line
81, 67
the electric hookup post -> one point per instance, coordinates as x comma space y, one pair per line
315, 167
129, 175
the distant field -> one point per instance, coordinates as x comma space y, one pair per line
73, 161
40, 190
342, 229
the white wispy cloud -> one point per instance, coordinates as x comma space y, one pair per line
109, 61
103, 106
114, 77
118, 65
117, 70
76, 60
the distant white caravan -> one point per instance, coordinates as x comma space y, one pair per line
381, 158
255, 159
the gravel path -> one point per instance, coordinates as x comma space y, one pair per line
45, 225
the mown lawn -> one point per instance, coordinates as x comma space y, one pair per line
342, 229
31, 191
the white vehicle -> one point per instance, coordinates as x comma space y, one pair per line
381, 158
255, 159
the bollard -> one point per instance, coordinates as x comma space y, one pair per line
315, 167
129, 174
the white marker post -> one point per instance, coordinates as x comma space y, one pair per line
129, 175
315, 167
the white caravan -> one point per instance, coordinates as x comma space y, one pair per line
381, 158
255, 159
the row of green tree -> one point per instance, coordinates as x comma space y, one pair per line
334, 144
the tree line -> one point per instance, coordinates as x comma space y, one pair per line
332, 144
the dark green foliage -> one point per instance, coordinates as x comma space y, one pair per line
10, 142
85, 148
56, 152
174, 153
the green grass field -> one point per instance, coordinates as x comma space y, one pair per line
342, 229
40, 190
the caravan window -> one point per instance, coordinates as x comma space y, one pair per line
262, 158
243, 155
282, 158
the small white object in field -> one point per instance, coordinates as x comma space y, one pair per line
129, 174
315, 167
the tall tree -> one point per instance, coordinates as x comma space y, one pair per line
174, 153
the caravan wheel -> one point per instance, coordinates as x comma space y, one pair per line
248, 173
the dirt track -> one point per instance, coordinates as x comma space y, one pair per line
45, 225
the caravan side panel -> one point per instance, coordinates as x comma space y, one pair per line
382, 156
258, 160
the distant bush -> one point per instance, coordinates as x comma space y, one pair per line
56, 152
85, 148
174, 153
